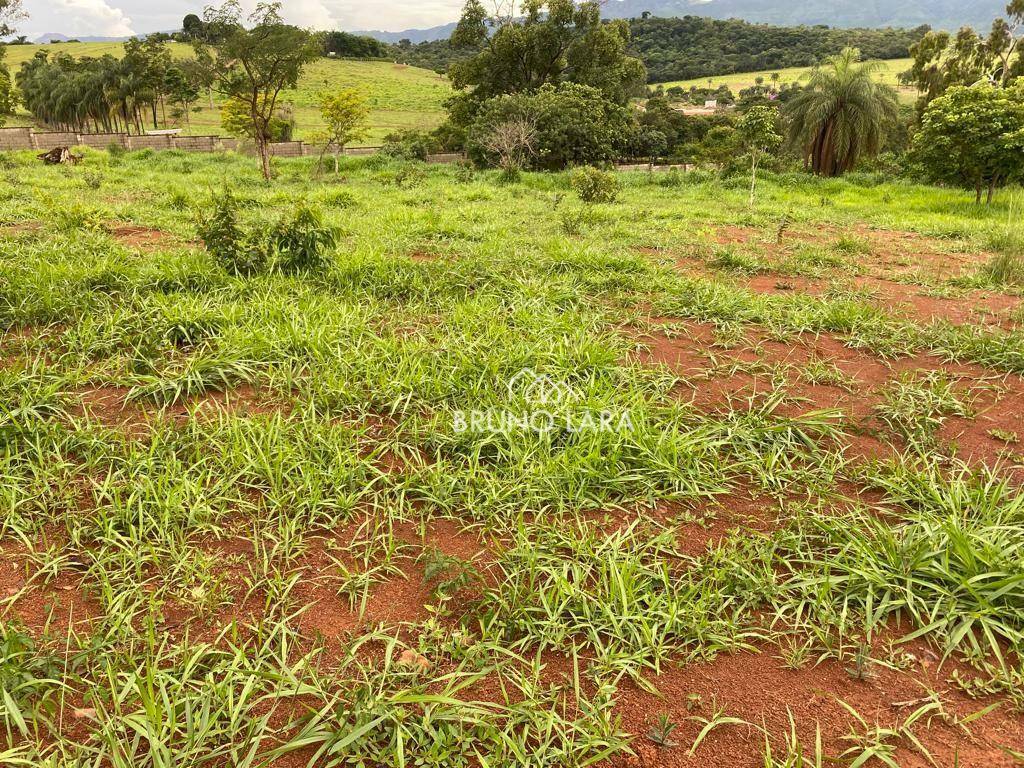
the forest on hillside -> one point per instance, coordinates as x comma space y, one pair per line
694, 46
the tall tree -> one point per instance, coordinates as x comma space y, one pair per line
255, 64
941, 62
841, 114
552, 42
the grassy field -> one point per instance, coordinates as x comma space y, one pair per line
509, 480
400, 96
737, 82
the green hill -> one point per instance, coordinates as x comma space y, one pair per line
400, 96
889, 75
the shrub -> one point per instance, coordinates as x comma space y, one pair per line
220, 232
407, 145
594, 186
302, 242
572, 125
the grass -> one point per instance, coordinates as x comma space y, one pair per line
243, 521
400, 97
737, 82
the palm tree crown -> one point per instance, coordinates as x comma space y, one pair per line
841, 114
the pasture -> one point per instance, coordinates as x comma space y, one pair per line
252, 521
400, 97
737, 82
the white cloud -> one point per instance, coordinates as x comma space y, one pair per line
123, 17
87, 17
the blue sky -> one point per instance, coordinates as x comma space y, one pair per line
125, 17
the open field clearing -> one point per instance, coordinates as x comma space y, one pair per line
888, 75
399, 97
771, 515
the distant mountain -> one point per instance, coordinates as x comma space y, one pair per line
412, 35
49, 37
940, 14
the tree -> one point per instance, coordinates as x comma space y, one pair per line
8, 99
255, 65
575, 125
10, 12
192, 27
553, 42
757, 135
345, 114
236, 120
941, 62
181, 90
841, 114
973, 136
351, 46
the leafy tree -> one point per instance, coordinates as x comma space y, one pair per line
757, 135
575, 125
181, 90
102, 94
973, 136
148, 61
10, 12
941, 61
352, 46
255, 65
553, 42
236, 120
841, 114
718, 146
8, 97
192, 27
345, 114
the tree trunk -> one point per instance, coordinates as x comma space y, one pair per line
209, 96
263, 146
337, 151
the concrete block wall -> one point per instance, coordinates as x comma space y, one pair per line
161, 141
196, 143
102, 140
48, 140
288, 149
446, 157
15, 138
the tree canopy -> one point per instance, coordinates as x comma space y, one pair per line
841, 114
255, 64
973, 136
553, 42
941, 60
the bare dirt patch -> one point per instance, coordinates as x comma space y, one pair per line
758, 689
139, 237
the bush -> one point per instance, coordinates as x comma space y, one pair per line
302, 242
236, 253
408, 145
594, 186
574, 125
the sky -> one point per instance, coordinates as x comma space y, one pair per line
116, 18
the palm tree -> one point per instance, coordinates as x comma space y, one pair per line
841, 114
